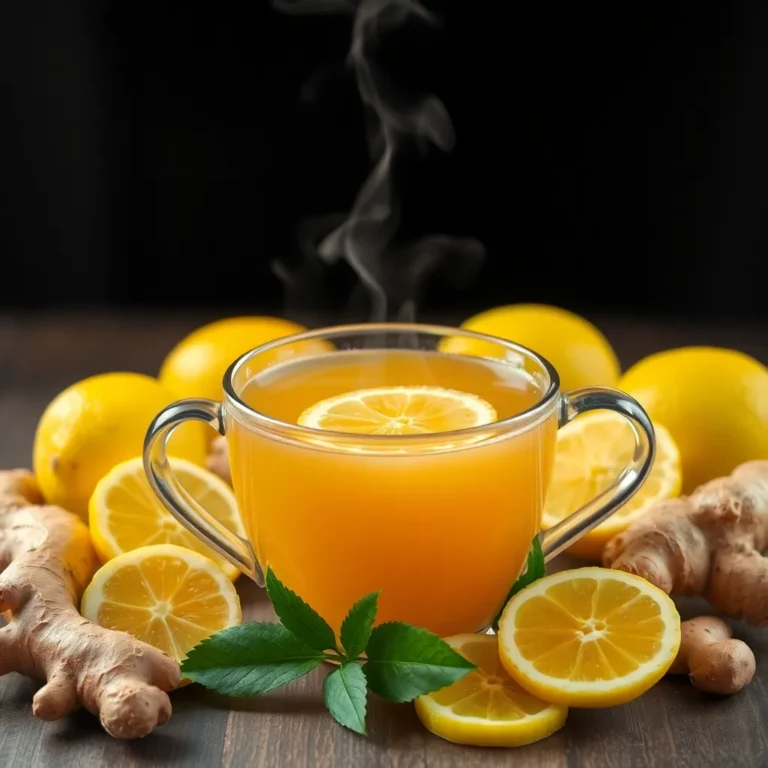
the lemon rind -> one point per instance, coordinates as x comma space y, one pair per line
515, 733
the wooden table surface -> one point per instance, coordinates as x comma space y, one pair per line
672, 725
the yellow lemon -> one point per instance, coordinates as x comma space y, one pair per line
590, 637
167, 596
714, 402
591, 452
195, 367
399, 411
97, 423
487, 708
125, 513
579, 351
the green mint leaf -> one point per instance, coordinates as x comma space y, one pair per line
345, 693
535, 569
356, 628
405, 662
250, 659
298, 617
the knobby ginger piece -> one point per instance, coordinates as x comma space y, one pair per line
218, 460
711, 658
708, 544
46, 561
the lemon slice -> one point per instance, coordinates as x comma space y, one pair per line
591, 452
590, 637
125, 513
399, 411
167, 596
486, 708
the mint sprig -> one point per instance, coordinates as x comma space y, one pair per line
356, 629
298, 617
535, 569
346, 695
250, 659
405, 662
396, 661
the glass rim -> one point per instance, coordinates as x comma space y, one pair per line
511, 423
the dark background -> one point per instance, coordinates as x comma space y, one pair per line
610, 157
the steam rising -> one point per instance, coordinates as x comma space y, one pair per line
392, 273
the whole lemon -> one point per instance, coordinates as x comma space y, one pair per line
713, 401
96, 424
579, 351
195, 367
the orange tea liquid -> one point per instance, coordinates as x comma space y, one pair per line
442, 533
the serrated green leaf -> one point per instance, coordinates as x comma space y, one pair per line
356, 628
345, 695
298, 617
405, 662
535, 569
250, 659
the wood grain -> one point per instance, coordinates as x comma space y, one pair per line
672, 725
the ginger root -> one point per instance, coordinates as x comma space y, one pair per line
46, 561
708, 544
218, 460
712, 659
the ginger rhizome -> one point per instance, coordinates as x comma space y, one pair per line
218, 460
711, 658
46, 561
709, 544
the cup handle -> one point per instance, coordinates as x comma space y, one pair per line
562, 535
193, 516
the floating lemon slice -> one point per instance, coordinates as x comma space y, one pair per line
486, 708
399, 411
591, 452
124, 512
167, 596
590, 637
